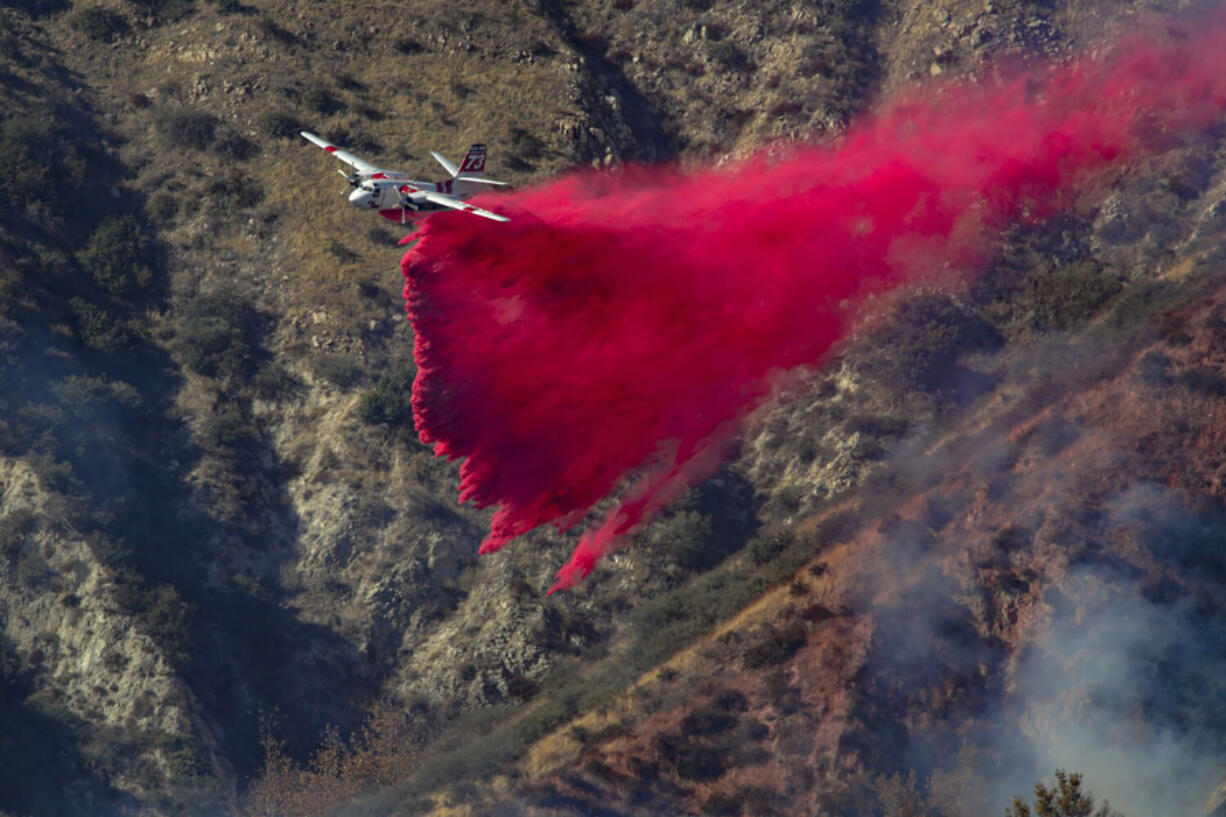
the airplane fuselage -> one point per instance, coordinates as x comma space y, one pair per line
398, 198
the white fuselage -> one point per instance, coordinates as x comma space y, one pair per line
395, 196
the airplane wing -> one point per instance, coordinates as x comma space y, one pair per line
345, 156
481, 180
447, 164
464, 207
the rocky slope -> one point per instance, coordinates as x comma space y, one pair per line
254, 548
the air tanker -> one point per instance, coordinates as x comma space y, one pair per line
398, 198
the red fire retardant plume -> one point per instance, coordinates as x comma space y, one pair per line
615, 334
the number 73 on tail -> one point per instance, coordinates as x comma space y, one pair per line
398, 198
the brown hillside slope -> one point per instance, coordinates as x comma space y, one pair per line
282, 554
1039, 586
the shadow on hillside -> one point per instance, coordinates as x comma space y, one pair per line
652, 141
88, 397
41, 769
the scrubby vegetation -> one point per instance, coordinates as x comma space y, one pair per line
186, 128
388, 402
1065, 799
925, 338
118, 257
382, 753
1066, 297
217, 335
99, 23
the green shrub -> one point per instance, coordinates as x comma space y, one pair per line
355, 138
1140, 302
162, 207
98, 23
344, 371
1065, 799
215, 335
15, 527
698, 762
184, 128
164, 11
83, 395
98, 328
1066, 297
729, 56
117, 256
777, 647
388, 403
236, 190
710, 720
227, 430
685, 537
159, 611
273, 382
280, 125
1204, 380
229, 144
321, 101
765, 547
41, 162
925, 338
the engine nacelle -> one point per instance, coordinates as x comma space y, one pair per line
411, 198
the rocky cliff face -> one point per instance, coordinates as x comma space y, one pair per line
277, 553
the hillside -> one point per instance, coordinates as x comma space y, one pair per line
983, 545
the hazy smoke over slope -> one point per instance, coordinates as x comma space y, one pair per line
622, 327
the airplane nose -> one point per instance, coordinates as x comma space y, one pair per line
358, 198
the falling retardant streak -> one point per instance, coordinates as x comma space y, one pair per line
614, 336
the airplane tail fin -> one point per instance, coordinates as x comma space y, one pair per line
473, 165
470, 175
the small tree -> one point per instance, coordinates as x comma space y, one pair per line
99, 23
388, 402
1066, 799
216, 335
117, 256
385, 752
